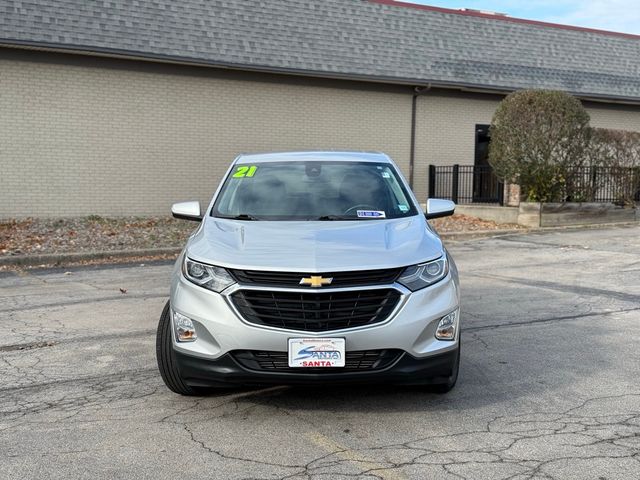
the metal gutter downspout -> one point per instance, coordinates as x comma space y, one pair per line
417, 91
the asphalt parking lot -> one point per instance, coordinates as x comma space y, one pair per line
549, 384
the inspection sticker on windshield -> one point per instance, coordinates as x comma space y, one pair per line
316, 352
371, 214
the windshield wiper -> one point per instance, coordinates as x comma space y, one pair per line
334, 217
242, 216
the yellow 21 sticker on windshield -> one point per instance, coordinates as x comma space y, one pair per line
245, 171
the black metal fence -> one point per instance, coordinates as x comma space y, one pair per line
602, 184
465, 184
478, 184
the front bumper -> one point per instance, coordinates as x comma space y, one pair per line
226, 372
220, 330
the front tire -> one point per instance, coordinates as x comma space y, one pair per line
446, 387
166, 358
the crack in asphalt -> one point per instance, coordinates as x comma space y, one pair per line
79, 339
494, 451
502, 445
549, 320
204, 446
84, 301
77, 380
27, 346
562, 287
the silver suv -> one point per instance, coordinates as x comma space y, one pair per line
311, 267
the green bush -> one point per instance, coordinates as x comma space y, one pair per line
537, 137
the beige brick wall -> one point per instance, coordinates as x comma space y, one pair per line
617, 117
81, 136
445, 126
80, 140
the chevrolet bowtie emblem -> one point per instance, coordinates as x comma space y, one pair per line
316, 281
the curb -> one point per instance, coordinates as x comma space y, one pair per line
478, 234
63, 258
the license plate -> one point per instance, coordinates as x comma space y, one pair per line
316, 352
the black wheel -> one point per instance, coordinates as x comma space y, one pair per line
448, 386
167, 359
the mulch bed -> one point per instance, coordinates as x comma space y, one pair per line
94, 233
89, 234
465, 223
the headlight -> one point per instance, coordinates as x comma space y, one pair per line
420, 276
208, 276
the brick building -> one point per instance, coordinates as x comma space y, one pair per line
118, 107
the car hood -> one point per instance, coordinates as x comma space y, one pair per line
314, 246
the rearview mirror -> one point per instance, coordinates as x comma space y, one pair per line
437, 208
187, 211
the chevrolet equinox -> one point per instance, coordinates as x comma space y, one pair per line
311, 268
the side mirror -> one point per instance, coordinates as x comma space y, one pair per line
187, 211
437, 208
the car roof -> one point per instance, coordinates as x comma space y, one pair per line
345, 156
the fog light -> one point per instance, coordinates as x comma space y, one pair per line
447, 326
183, 326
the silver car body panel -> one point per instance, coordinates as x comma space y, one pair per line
304, 246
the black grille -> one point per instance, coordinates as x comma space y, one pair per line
366, 360
316, 312
340, 279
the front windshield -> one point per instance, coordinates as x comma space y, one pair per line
314, 190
